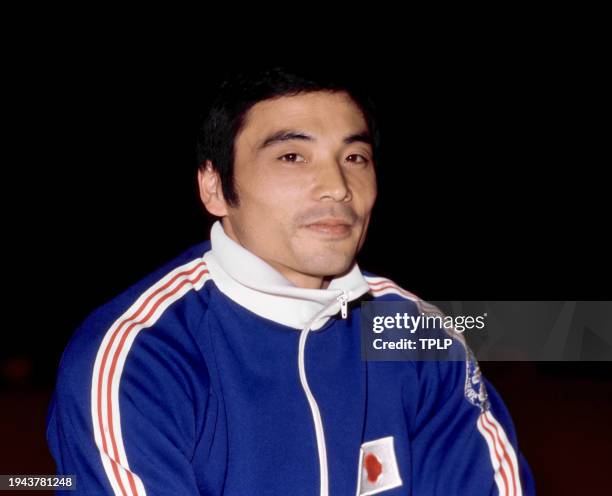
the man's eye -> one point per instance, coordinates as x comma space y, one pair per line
361, 160
292, 157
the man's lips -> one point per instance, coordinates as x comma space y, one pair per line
330, 227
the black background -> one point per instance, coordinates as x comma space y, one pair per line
493, 185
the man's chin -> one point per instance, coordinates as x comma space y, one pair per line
329, 267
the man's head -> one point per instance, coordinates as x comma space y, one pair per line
288, 163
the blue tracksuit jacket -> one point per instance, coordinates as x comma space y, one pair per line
215, 376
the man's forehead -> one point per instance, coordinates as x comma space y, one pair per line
309, 114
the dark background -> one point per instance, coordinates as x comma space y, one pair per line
491, 186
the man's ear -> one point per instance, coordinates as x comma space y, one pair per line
211, 192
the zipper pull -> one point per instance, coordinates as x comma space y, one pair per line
343, 298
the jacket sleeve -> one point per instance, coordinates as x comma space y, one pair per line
126, 415
463, 439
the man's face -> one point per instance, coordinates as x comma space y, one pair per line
305, 202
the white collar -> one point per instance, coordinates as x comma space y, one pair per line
257, 286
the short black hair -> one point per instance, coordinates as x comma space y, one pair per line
241, 90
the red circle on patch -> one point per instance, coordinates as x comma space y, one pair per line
373, 467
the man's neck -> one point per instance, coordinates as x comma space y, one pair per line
298, 279
301, 280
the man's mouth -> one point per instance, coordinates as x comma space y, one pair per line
331, 227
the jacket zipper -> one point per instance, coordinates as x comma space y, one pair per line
343, 298
314, 408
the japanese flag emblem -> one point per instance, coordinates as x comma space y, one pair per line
378, 470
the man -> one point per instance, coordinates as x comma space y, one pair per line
236, 369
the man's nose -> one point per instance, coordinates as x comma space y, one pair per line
332, 182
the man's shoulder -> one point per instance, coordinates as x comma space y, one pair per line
461, 369
170, 280
386, 289
150, 302
184, 269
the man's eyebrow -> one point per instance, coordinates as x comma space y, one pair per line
284, 135
290, 134
363, 137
